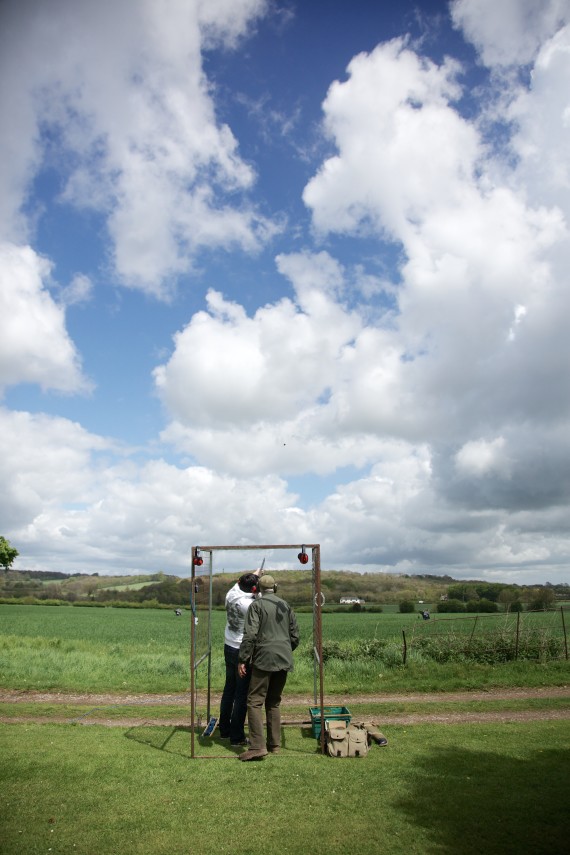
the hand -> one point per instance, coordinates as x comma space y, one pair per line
242, 670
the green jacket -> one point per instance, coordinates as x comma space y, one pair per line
270, 635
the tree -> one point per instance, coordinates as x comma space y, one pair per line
7, 553
507, 597
543, 599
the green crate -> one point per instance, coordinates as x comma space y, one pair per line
331, 714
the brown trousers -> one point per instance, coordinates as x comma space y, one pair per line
265, 689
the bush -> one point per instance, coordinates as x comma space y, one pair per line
488, 606
406, 607
450, 606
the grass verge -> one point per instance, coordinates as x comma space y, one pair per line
496, 789
81, 713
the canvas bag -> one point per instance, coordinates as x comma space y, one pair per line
345, 741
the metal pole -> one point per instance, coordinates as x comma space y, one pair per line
209, 641
517, 636
405, 651
192, 652
318, 636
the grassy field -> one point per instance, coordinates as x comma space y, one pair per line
497, 788
124, 650
468, 789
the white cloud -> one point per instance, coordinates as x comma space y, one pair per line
79, 290
542, 131
228, 368
478, 457
34, 344
452, 399
402, 150
510, 32
135, 135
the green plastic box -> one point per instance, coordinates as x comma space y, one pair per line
331, 714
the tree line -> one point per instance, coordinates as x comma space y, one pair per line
444, 594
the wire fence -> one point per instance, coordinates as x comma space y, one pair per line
540, 636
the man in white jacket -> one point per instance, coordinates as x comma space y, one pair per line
233, 706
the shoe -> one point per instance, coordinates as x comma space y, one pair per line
253, 754
241, 742
275, 750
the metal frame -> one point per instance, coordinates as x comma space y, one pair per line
318, 674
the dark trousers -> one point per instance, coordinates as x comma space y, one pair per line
233, 706
265, 690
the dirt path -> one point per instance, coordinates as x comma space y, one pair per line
184, 698
96, 704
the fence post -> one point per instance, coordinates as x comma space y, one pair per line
473, 630
405, 651
564, 629
517, 637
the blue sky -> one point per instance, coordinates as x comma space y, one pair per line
282, 273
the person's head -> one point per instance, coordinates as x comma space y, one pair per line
248, 583
267, 584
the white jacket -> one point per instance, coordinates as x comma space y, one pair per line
237, 604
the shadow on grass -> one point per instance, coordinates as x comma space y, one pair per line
159, 737
473, 802
163, 738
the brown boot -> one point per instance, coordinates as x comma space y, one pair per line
253, 754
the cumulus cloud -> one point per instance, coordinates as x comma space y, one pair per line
34, 345
439, 400
75, 500
510, 32
135, 136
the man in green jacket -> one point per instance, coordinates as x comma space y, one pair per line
270, 636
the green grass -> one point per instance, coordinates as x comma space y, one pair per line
122, 650
83, 713
468, 789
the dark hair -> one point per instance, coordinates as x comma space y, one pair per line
248, 582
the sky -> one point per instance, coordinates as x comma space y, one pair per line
284, 272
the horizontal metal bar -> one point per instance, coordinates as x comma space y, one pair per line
262, 546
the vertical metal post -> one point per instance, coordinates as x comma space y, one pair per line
210, 588
318, 636
517, 636
405, 650
192, 651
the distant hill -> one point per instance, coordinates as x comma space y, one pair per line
294, 585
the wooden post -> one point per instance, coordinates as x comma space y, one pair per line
405, 651
517, 636
564, 629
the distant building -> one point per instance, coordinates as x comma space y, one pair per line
348, 601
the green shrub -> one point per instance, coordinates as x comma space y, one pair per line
406, 607
447, 606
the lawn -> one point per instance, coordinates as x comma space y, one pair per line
83, 788
459, 788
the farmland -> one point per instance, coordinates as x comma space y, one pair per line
147, 650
